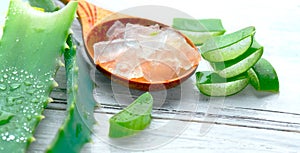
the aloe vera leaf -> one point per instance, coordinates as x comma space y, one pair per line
133, 119
75, 131
31, 44
211, 84
199, 30
222, 65
47, 5
202, 25
263, 76
229, 46
241, 64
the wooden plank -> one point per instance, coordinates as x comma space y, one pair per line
220, 137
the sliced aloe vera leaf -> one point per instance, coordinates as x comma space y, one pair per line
199, 38
71, 138
133, 119
202, 25
211, 84
263, 76
31, 44
229, 46
241, 64
199, 30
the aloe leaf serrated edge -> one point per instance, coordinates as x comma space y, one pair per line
76, 129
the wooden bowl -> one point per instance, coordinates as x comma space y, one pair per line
98, 33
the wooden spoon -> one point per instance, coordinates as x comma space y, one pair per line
96, 21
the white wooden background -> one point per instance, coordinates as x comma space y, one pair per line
183, 119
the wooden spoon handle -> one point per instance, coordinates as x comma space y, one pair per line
89, 15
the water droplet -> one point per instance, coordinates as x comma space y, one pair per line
10, 101
5, 76
15, 72
2, 87
14, 86
30, 91
27, 83
19, 101
11, 137
5, 117
4, 138
34, 100
39, 86
39, 29
17, 40
29, 117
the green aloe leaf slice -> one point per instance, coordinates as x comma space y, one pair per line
134, 118
241, 64
263, 76
229, 46
211, 84
199, 30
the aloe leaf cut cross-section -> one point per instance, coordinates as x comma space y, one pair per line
30, 48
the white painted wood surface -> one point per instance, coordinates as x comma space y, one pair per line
190, 122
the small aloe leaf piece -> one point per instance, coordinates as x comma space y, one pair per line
211, 84
32, 42
263, 76
133, 119
240, 64
76, 129
199, 30
229, 46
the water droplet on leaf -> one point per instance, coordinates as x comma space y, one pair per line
2, 87
14, 86
5, 117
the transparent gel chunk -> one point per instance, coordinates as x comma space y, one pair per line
116, 31
107, 51
148, 52
128, 63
